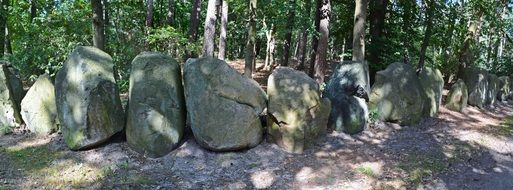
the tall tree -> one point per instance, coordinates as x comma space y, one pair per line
222, 34
210, 29
315, 38
149, 14
33, 9
301, 55
360, 13
466, 57
377, 16
171, 12
288, 33
249, 57
430, 9
98, 26
322, 46
194, 24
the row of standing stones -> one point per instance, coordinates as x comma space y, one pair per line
225, 110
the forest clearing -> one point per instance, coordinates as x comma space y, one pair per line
257, 94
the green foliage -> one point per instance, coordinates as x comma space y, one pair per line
374, 115
172, 42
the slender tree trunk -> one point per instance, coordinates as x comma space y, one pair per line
210, 29
322, 46
315, 38
466, 57
149, 14
3, 25
222, 34
193, 27
8, 45
430, 6
98, 25
33, 10
360, 13
377, 23
288, 34
304, 36
250, 44
171, 12
106, 18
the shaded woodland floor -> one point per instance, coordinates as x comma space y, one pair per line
469, 150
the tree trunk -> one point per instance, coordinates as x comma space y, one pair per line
8, 45
222, 35
106, 19
322, 46
33, 10
466, 57
377, 23
149, 14
193, 27
98, 26
315, 38
250, 44
171, 12
430, 6
360, 13
304, 36
210, 29
288, 34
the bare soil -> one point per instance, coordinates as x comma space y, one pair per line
469, 150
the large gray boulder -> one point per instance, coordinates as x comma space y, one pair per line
87, 97
503, 88
477, 84
348, 90
156, 114
38, 108
15, 82
432, 82
223, 107
297, 113
9, 108
457, 97
493, 89
397, 95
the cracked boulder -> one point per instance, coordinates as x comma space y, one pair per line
432, 82
87, 97
38, 108
223, 107
477, 84
397, 95
9, 107
457, 97
156, 114
297, 113
348, 91
493, 89
504, 88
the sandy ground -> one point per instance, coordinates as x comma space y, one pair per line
469, 150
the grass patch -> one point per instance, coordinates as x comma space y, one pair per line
366, 170
505, 129
420, 167
31, 159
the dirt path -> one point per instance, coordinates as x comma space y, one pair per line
470, 150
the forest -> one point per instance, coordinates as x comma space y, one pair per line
257, 94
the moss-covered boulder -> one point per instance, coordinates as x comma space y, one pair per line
493, 89
348, 90
504, 88
38, 108
87, 98
15, 82
297, 113
397, 95
156, 114
477, 84
457, 97
9, 108
432, 82
223, 107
